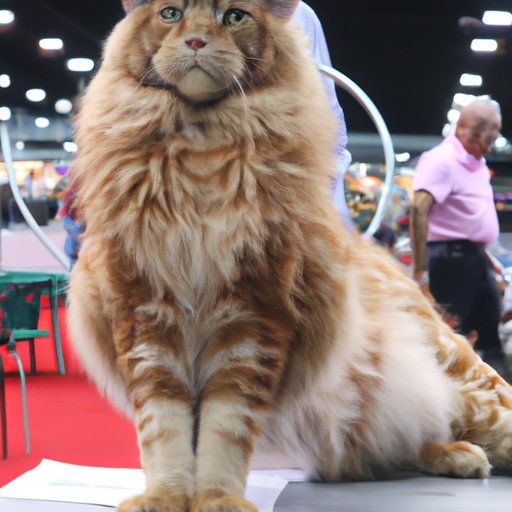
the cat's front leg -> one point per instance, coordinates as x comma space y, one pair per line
164, 421
233, 407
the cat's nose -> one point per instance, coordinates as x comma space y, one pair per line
196, 43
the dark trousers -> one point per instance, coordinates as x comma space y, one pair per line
462, 280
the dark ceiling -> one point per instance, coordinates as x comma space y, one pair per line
407, 55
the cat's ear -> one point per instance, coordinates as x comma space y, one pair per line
130, 5
283, 8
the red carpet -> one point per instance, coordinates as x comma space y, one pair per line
69, 422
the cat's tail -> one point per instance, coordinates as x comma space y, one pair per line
91, 335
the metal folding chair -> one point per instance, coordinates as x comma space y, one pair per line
19, 316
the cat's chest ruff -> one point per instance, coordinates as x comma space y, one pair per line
205, 237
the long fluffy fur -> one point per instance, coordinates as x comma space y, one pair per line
217, 298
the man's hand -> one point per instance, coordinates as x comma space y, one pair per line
421, 279
420, 208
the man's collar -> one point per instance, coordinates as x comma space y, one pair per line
466, 159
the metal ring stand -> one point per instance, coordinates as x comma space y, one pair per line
389, 153
339, 78
34, 226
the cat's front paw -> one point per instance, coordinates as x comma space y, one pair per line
155, 501
224, 503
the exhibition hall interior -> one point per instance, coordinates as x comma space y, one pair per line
404, 73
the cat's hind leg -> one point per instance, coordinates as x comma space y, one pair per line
459, 459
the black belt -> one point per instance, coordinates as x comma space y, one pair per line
454, 247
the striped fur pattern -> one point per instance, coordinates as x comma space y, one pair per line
218, 300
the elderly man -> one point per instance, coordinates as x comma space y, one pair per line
453, 218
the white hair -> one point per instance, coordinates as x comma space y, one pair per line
482, 102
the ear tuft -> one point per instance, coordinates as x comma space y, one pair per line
130, 5
283, 8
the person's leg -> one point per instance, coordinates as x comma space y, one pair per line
340, 202
454, 283
486, 316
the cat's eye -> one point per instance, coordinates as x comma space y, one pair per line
171, 14
234, 16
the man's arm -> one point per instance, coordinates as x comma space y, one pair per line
420, 208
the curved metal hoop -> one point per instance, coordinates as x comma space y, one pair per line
339, 78
34, 226
389, 153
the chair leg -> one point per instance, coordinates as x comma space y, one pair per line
12, 350
32, 353
54, 304
2, 410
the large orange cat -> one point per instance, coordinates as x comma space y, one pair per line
217, 297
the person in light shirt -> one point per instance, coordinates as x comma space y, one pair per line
306, 18
453, 218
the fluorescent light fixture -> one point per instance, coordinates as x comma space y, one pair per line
462, 99
63, 106
484, 45
501, 142
81, 65
5, 113
70, 147
447, 130
402, 157
6, 17
497, 18
453, 115
469, 80
20, 145
5, 81
35, 95
51, 43
42, 122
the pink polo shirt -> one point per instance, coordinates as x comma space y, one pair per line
460, 185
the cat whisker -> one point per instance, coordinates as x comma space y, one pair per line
255, 58
237, 82
150, 69
256, 66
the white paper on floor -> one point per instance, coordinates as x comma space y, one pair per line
58, 481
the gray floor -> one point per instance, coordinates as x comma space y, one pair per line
413, 493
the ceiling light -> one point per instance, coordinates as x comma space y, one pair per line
42, 122
20, 145
462, 99
447, 130
5, 113
63, 106
51, 43
82, 65
453, 115
6, 17
35, 95
5, 81
402, 157
497, 18
469, 80
70, 147
501, 142
484, 45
